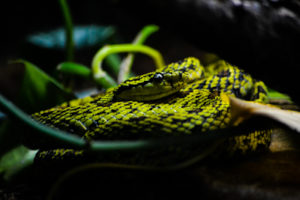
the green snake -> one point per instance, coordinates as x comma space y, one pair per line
183, 98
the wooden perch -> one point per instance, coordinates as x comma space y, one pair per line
242, 110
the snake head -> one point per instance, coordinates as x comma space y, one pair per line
162, 82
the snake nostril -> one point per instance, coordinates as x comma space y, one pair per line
158, 77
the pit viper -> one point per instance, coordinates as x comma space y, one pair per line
183, 98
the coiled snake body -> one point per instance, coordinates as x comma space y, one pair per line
183, 98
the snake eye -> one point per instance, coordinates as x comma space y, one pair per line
158, 77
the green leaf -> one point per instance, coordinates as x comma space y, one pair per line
15, 160
68, 29
40, 91
84, 36
75, 69
275, 95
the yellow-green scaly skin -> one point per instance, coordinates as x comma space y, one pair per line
179, 99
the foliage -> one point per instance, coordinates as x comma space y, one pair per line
40, 91
15, 160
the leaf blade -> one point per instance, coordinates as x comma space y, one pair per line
40, 91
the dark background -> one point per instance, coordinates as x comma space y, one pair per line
259, 36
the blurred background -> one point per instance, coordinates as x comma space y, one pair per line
259, 36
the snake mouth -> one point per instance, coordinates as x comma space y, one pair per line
137, 94
151, 97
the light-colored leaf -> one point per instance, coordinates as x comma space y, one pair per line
15, 160
84, 36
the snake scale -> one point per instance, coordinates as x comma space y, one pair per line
183, 98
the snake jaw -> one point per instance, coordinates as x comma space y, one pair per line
150, 91
162, 82
149, 96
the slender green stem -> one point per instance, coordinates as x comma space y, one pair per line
100, 76
68, 30
58, 135
145, 33
125, 68
71, 141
